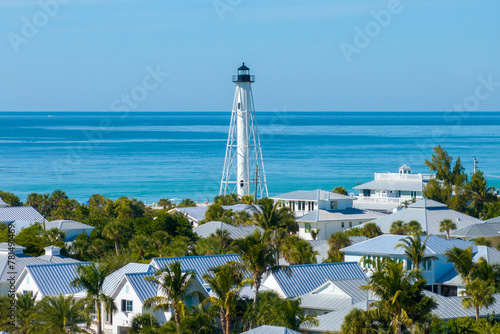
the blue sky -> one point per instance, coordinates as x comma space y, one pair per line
89, 54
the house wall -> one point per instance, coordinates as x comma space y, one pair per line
271, 283
327, 228
26, 283
71, 234
123, 318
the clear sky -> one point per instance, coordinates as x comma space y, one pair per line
401, 54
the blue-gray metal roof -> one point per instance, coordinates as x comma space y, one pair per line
386, 245
320, 215
143, 288
112, 280
451, 307
235, 232
270, 330
310, 195
199, 264
429, 215
305, 278
21, 261
197, 213
57, 259
2, 203
494, 220
67, 225
24, 213
490, 254
55, 279
486, 229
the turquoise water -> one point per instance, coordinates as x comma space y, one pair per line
178, 155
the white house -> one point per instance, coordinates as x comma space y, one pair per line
50, 279
429, 214
71, 228
325, 211
434, 271
388, 190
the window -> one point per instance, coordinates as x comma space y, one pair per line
342, 224
334, 205
126, 288
350, 224
307, 227
366, 192
409, 264
127, 305
27, 280
239, 105
427, 265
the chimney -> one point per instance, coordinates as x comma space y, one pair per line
52, 250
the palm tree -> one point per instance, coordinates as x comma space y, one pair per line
258, 257
294, 317
247, 199
223, 237
462, 260
337, 241
371, 230
160, 239
478, 294
414, 249
25, 312
200, 320
225, 282
143, 323
269, 215
113, 231
60, 314
398, 227
91, 277
391, 284
140, 243
298, 251
413, 227
174, 285
355, 322
447, 225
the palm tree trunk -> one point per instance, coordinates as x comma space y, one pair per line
222, 316
257, 280
177, 316
448, 234
98, 311
228, 321
477, 313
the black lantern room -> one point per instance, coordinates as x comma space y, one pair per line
243, 75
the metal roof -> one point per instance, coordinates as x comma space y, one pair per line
57, 259
270, 330
197, 213
451, 307
199, 264
55, 279
310, 195
429, 214
2, 203
385, 245
66, 225
305, 278
143, 288
494, 220
322, 246
320, 215
490, 254
478, 230
112, 280
21, 261
408, 185
24, 213
235, 232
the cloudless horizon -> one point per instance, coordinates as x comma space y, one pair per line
86, 55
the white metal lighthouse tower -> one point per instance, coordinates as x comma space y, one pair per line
243, 172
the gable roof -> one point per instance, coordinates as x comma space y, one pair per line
24, 213
266, 329
494, 220
490, 254
451, 307
67, 225
305, 278
112, 280
55, 279
478, 230
429, 214
235, 232
57, 259
199, 264
143, 288
403, 185
21, 261
385, 245
310, 195
320, 215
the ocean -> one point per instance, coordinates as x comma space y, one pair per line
153, 155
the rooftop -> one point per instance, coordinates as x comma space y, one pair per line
2, 203
310, 195
24, 213
320, 215
197, 213
385, 245
478, 230
270, 330
235, 232
66, 225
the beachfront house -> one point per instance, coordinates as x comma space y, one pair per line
323, 212
436, 272
388, 191
19, 217
429, 214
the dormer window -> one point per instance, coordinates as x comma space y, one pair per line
334, 205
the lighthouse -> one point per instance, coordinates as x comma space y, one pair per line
243, 171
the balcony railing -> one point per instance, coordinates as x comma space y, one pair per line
244, 78
404, 177
380, 200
